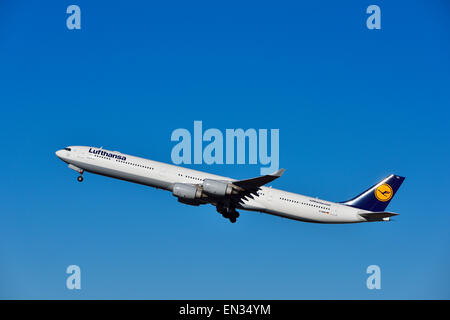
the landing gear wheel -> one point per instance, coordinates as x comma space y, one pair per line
228, 212
80, 178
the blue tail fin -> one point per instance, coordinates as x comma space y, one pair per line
377, 197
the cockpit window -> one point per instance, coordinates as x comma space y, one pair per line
68, 149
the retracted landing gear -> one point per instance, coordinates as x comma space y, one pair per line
228, 213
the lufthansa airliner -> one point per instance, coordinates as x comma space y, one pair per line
196, 188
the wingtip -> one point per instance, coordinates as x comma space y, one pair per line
278, 173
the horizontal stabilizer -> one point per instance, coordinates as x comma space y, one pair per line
377, 216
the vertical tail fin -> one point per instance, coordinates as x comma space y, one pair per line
377, 197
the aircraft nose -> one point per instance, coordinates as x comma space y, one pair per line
59, 153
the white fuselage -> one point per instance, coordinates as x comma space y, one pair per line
161, 175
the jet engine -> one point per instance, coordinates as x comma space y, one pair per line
186, 191
217, 188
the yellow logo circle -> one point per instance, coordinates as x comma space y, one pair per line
384, 192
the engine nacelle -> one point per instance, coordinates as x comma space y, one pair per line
186, 191
217, 188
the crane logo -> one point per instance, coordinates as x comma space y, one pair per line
384, 192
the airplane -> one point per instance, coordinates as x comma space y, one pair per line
196, 188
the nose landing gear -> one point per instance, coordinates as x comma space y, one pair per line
79, 170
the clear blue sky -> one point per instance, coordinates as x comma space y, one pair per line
352, 105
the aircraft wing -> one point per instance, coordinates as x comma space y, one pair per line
258, 181
249, 187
